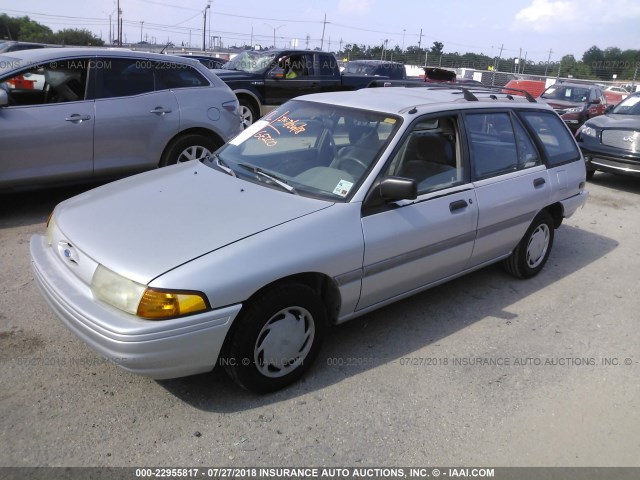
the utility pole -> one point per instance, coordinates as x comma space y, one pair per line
547, 65
210, 15
307, 42
141, 24
324, 24
420, 48
204, 28
496, 65
119, 25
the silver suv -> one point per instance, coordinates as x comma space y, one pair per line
69, 115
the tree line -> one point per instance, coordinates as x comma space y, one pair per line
595, 64
27, 30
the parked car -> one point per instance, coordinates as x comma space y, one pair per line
611, 142
331, 206
373, 68
206, 60
615, 94
575, 102
533, 87
97, 114
15, 46
264, 80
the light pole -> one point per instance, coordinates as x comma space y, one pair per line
274, 32
141, 24
204, 28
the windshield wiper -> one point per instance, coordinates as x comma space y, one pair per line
223, 166
270, 176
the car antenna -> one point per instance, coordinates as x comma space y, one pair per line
166, 46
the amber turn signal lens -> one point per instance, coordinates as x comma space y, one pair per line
159, 305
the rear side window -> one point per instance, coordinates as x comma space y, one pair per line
175, 75
553, 136
493, 144
123, 77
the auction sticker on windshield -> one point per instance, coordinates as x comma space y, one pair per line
343, 188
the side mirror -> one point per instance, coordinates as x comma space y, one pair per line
595, 102
393, 189
609, 108
4, 98
277, 72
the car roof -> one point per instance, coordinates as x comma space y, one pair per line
40, 55
402, 100
375, 62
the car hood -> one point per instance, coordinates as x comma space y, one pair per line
610, 120
148, 224
553, 103
229, 75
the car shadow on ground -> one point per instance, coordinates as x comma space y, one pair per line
396, 331
616, 182
31, 207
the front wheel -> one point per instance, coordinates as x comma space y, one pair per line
276, 338
188, 147
528, 258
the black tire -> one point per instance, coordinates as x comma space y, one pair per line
188, 147
531, 254
248, 112
590, 172
293, 344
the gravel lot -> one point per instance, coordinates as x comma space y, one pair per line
483, 371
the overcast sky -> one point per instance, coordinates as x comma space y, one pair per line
535, 26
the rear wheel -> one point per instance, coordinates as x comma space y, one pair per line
528, 258
248, 113
276, 338
590, 172
188, 147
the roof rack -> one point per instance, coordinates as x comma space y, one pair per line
468, 92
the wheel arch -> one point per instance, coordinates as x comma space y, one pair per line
191, 131
321, 283
250, 97
557, 213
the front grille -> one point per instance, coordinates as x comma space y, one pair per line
622, 139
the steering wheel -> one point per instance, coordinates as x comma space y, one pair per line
350, 164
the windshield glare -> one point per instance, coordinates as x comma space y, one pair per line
319, 150
628, 106
250, 62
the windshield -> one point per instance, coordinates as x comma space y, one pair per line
311, 149
251, 62
566, 93
628, 106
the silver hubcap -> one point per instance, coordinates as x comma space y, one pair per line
246, 116
195, 152
538, 244
284, 342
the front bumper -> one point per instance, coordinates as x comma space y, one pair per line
157, 349
606, 161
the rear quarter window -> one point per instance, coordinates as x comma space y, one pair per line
553, 137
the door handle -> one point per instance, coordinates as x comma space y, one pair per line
538, 182
458, 205
160, 110
77, 118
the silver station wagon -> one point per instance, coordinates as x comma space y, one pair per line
331, 206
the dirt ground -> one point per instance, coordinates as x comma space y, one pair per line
483, 371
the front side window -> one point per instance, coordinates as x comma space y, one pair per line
551, 132
430, 155
308, 148
52, 82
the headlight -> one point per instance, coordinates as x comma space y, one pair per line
137, 299
588, 131
51, 227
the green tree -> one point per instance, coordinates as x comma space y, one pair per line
437, 48
75, 36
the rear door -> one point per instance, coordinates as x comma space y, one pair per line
510, 180
47, 128
134, 121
